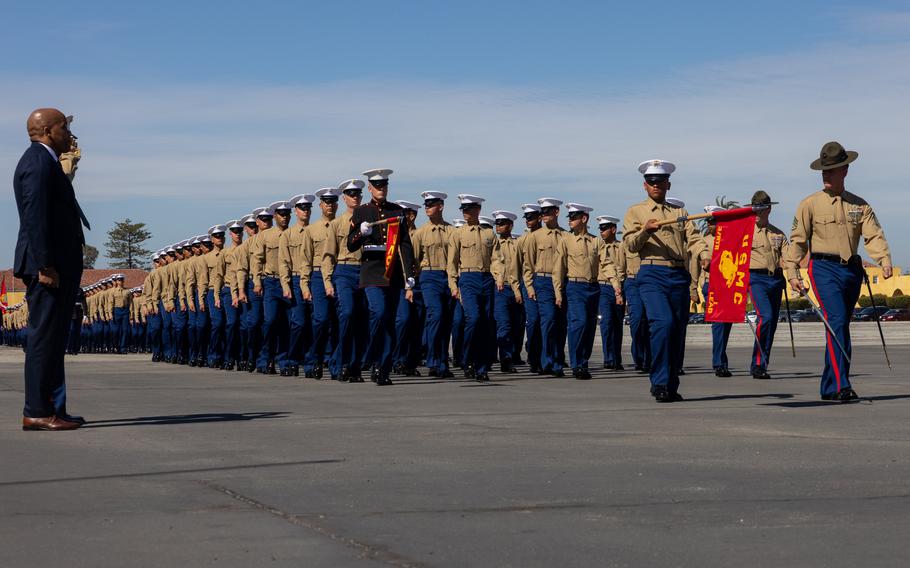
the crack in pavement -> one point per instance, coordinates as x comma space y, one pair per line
373, 552
169, 472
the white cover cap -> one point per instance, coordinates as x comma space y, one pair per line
262, 212
378, 174
217, 229
428, 195
507, 215
484, 220
530, 208
578, 208
549, 202
468, 199
330, 193
458, 223
407, 205
607, 219
302, 198
279, 206
235, 224
353, 184
656, 167
675, 202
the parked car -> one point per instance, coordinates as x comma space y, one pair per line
804, 315
856, 313
897, 314
697, 318
871, 314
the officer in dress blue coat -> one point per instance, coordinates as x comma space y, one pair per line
382, 293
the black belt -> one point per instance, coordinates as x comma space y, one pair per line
853, 260
773, 273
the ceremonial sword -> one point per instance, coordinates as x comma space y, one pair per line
877, 320
821, 315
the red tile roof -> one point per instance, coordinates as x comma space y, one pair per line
134, 277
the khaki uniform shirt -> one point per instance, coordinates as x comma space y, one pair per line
289, 255
540, 254
201, 270
431, 245
475, 249
670, 243
214, 265
264, 255
633, 262
612, 264
768, 246
830, 224
312, 250
242, 263
511, 277
230, 270
336, 247
107, 304
121, 298
577, 256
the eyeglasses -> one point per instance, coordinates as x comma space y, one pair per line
283, 212
304, 206
432, 202
468, 206
237, 230
353, 192
531, 216
329, 200
501, 222
656, 180
575, 215
548, 210
217, 235
380, 183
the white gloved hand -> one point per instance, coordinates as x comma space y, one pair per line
366, 229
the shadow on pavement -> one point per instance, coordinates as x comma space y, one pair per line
184, 419
740, 396
811, 403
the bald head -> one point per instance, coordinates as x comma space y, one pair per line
49, 126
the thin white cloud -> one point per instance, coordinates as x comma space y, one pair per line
731, 128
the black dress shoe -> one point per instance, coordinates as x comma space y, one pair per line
374, 375
676, 397
535, 370
482, 377
192, 363
447, 374
680, 372
384, 381
432, 373
410, 372
309, 374
518, 361
722, 372
618, 367
661, 394
557, 373
581, 374
843, 395
760, 375
469, 372
287, 372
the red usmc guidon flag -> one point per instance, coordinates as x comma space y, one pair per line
728, 285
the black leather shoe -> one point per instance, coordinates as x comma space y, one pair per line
447, 374
676, 397
661, 394
384, 381
558, 373
722, 372
535, 370
843, 395
192, 363
309, 374
410, 372
506, 366
581, 374
469, 372
618, 367
680, 372
374, 375
482, 378
287, 372
760, 375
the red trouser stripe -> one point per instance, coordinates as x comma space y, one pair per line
757, 332
828, 339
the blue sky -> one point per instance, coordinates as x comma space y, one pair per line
193, 113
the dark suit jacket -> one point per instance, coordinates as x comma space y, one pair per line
50, 222
372, 263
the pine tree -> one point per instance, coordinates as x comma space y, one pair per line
89, 256
124, 245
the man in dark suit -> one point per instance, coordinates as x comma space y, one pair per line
49, 260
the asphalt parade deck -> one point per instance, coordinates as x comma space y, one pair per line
189, 467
